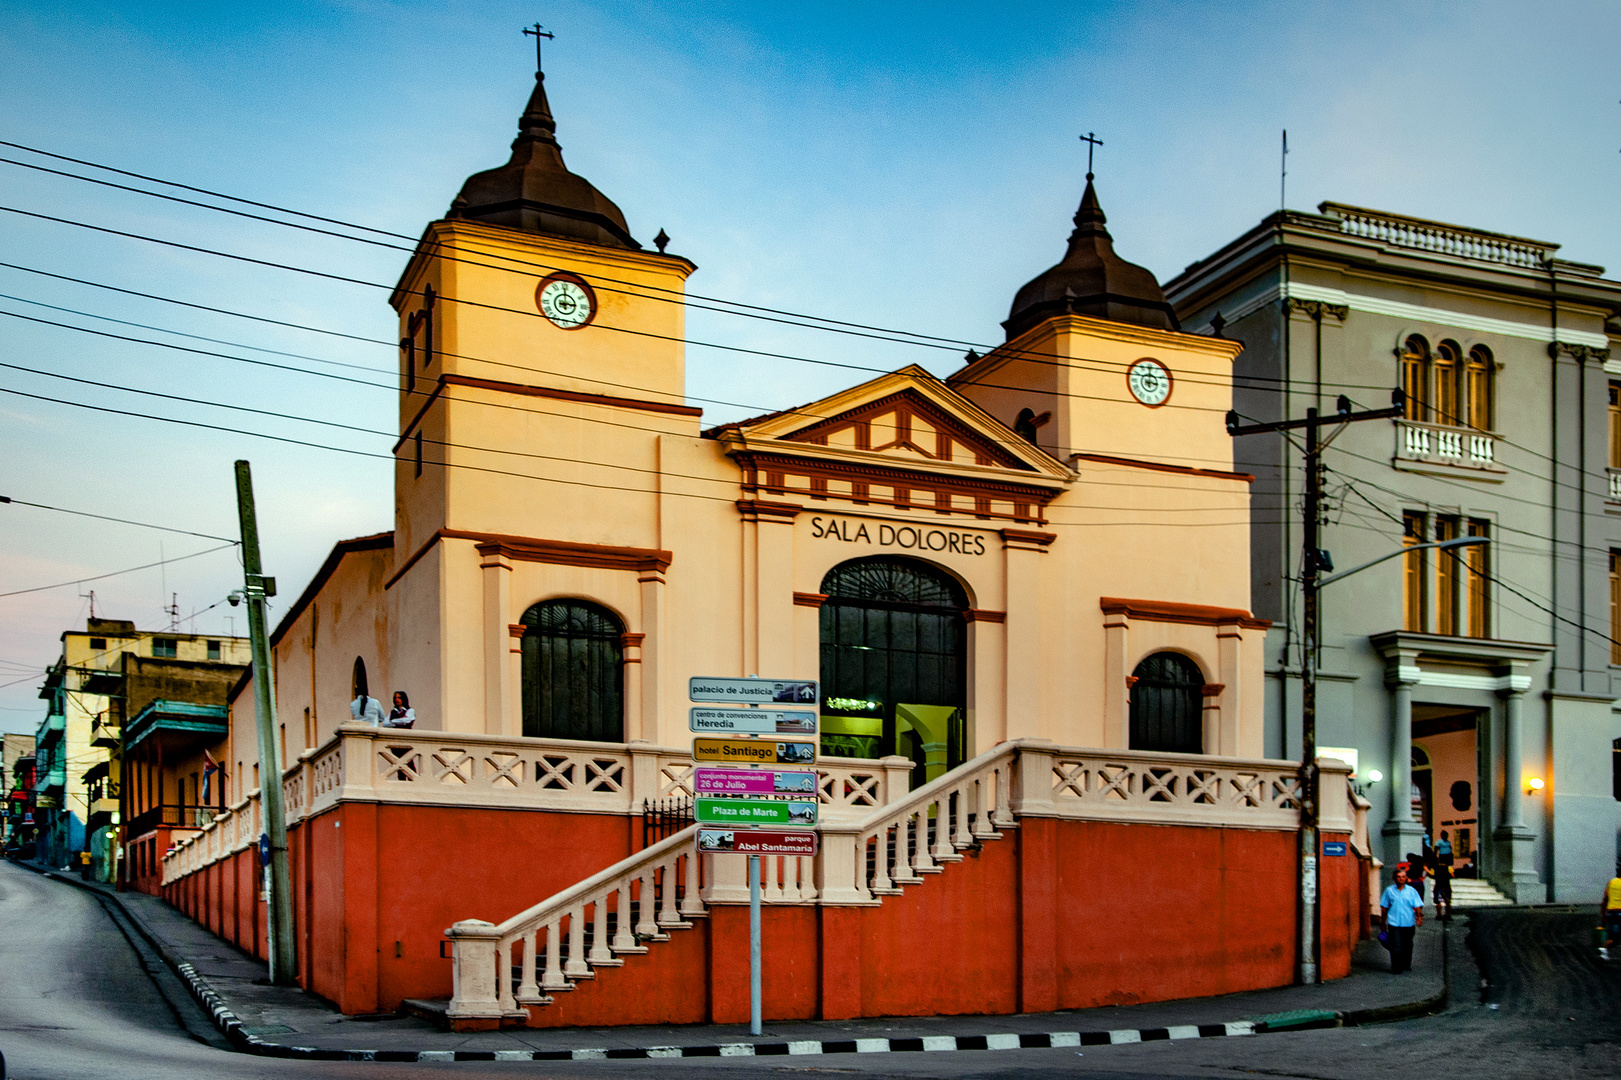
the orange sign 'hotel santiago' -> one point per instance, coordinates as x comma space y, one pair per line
1022, 589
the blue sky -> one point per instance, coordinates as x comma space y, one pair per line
904, 165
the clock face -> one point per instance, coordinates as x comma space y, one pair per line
1150, 382
566, 301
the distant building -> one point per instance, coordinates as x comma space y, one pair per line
104, 669
1479, 683
14, 750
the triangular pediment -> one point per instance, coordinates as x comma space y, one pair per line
907, 419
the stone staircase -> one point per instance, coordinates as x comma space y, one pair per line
1475, 893
501, 972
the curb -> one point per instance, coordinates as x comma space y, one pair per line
234, 1030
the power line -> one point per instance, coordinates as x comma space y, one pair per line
104, 517
115, 573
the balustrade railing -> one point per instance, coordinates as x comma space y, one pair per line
1615, 485
603, 918
1440, 443
1186, 789
1437, 237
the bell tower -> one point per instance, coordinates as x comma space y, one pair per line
541, 358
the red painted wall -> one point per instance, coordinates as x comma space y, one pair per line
1055, 915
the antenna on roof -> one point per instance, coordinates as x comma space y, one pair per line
1283, 172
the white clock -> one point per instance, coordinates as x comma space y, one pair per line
1150, 382
566, 301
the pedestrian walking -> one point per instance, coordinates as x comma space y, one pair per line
1443, 888
1402, 911
1610, 913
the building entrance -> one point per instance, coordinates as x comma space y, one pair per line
894, 663
1446, 780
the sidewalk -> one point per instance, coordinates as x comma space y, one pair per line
282, 1021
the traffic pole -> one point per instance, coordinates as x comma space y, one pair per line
256, 587
754, 945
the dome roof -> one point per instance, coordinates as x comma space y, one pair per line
1092, 280
535, 192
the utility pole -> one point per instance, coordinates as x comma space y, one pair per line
1313, 561
256, 588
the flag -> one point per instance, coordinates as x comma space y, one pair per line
210, 767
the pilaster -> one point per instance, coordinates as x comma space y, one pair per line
1022, 553
499, 693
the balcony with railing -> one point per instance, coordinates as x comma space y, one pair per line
1452, 449
176, 816
1418, 234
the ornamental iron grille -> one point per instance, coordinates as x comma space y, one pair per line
1167, 705
893, 663
573, 679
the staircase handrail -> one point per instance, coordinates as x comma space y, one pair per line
625, 867
932, 790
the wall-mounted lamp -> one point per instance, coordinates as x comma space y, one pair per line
1534, 785
1374, 776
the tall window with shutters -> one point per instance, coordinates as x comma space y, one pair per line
1615, 607
1415, 591
1449, 567
1477, 383
1415, 377
1477, 587
1446, 372
1615, 425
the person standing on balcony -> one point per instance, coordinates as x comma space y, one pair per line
1402, 910
402, 715
367, 710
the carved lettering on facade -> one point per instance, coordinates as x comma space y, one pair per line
907, 537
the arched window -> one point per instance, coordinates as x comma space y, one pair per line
573, 682
358, 687
1167, 705
1415, 377
894, 664
1478, 388
1447, 368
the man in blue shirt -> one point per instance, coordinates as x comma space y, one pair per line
1402, 910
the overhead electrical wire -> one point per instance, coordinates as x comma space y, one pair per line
104, 517
116, 573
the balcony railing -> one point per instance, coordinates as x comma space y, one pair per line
188, 816
1422, 235
1615, 485
1440, 444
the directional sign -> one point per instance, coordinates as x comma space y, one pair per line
754, 751
712, 781
1334, 847
754, 691
719, 810
757, 842
751, 722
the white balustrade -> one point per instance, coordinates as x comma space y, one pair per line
1416, 441
1615, 485
1449, 444
647, 895
1434, 236
1188, 789
1444, 444
1481, 449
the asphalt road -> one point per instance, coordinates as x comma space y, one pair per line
78, 999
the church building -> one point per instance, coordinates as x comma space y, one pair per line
1023, 589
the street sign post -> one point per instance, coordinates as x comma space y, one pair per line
754, 691
714, 781
750, 797
751, 722
757, 842
724, 810
753, 751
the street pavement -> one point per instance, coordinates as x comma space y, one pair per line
78, 999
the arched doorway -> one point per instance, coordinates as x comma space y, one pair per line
894, 664
573, 680
1167, 705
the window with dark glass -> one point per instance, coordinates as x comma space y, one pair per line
893, 664
213, 650
1167, 705
165, 646
573, 676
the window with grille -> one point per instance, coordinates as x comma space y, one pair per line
573, 676
1167, 705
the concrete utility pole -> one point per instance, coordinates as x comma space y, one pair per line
1314, 559
256, 587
